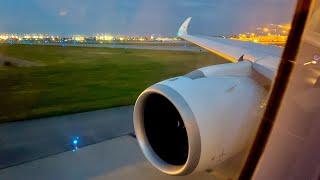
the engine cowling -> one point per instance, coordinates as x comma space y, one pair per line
184, 124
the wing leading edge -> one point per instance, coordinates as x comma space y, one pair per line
264, 58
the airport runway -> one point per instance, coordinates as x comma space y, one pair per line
148, 46
118, 158
26, 141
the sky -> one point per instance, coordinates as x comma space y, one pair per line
140, 17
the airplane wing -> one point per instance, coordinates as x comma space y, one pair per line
264, 58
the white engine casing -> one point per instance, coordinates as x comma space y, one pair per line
219, 110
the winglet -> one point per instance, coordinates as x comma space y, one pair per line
184, 27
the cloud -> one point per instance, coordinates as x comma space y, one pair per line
195, 4
210, 17
63, 12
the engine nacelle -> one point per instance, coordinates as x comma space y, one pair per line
184, 124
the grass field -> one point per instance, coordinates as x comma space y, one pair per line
75, 79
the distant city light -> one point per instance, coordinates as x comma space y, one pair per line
268, 34
98, 38
104, 37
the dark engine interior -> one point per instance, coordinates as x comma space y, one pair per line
165, 130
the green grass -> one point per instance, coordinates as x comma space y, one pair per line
75, 79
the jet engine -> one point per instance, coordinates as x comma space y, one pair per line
195, 122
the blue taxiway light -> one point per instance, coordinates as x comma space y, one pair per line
75, 142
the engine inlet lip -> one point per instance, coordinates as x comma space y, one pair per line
194, 142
